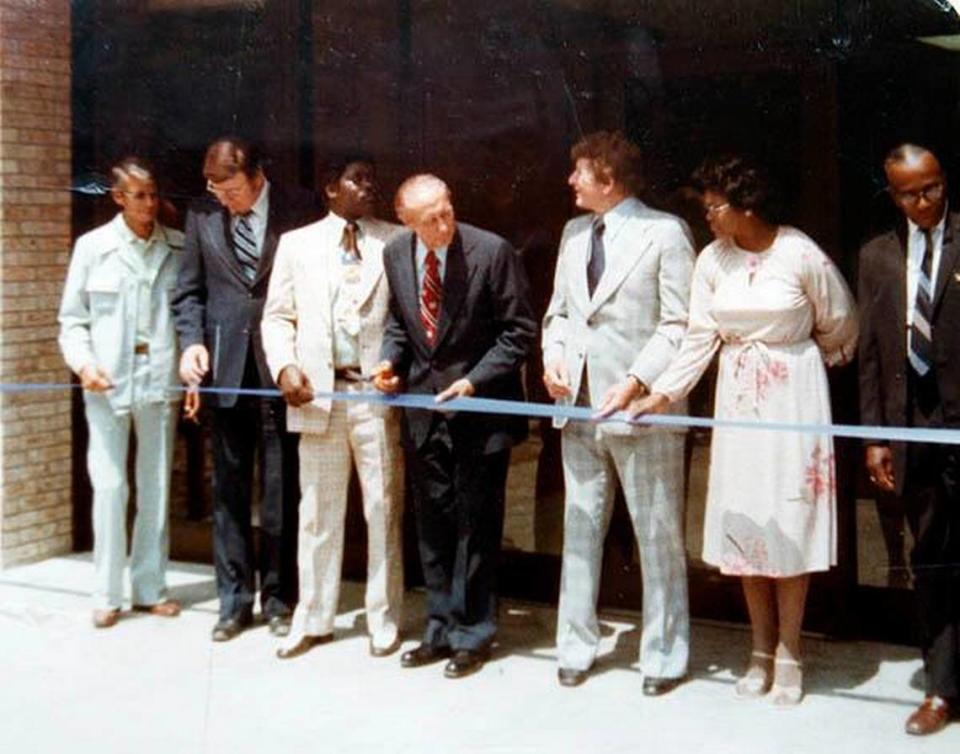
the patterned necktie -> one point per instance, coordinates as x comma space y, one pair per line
921, 346
597, 255
430, 296
245, 246
349, 240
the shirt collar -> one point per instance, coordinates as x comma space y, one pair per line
422, 251
614, 217
262, 205
341, 222
129, 237
936, 231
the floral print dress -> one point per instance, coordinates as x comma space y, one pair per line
777, 317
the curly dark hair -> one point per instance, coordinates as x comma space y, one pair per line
614, 153
745, 184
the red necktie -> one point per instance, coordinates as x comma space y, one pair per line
430, 295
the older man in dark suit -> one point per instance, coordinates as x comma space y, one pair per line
231, 239
460, 324
909, 292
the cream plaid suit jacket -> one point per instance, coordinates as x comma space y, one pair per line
298, 319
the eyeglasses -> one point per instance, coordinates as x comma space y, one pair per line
932, 193
715, 209
229, 193
141, 195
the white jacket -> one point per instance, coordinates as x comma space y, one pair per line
98, 315
298, 318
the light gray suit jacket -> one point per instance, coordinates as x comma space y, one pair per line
635, 321
298, 319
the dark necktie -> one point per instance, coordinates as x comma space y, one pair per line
245, 246
349, 240
597, 255
430, 296
921, 346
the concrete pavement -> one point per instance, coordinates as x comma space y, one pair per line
152, 684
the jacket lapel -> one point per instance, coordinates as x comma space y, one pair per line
579, 256
221, 238
270, 237
949, 254
897, 272
407, 291
624, 248
455, 280
371, 267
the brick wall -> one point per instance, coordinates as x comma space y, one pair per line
35, 166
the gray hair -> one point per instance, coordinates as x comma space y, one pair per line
906, 153
130, 167
420, 186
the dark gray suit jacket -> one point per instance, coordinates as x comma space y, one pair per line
485, 332
214, 303
882, 294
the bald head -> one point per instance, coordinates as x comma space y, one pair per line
423, 204
917, 184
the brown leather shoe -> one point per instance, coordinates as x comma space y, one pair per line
424, 654
106, 618
465, 662
165, 609
929, 717
303, 646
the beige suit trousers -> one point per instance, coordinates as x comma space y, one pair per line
372, 442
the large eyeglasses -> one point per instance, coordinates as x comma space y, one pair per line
228, 193
932, 193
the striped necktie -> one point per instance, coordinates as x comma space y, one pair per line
245, 246
430, 296
920, 352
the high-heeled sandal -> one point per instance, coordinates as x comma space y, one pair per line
758, 679
787, 694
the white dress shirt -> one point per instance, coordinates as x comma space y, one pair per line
422, 263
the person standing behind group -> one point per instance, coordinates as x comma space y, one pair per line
777, 308
909, 292
117, 335
616, 318
322, 329
459, 324
231, 239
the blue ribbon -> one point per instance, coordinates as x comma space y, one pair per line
575, 413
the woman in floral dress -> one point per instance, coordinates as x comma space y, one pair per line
778, 310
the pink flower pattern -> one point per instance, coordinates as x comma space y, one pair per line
756, 374
747, 558
820, 475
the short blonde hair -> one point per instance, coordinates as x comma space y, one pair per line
130, 167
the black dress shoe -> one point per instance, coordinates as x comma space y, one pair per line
229, 628
571, 677
424, 655
303, 646
653, 686
392, 647
464, 662
279, 625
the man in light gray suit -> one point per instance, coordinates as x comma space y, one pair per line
616, 319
